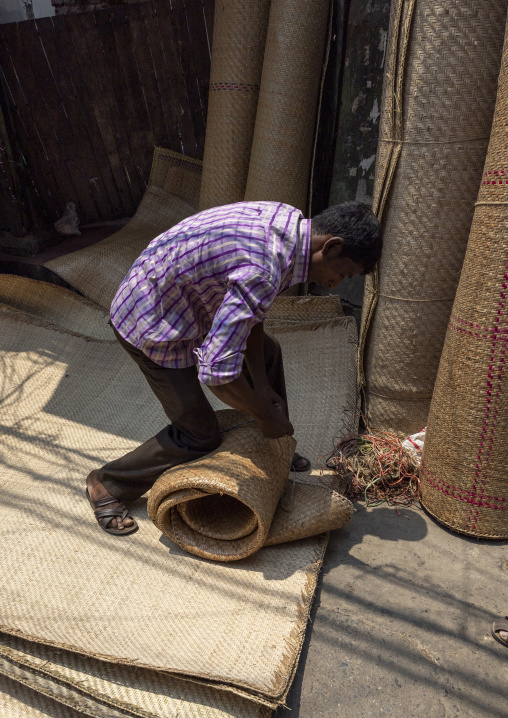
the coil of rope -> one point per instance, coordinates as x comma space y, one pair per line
376, 469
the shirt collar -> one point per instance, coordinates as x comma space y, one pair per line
302, 251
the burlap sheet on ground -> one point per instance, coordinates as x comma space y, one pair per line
172, 194
464, 468
70, 403
438, 102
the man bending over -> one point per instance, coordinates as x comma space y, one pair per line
190, 312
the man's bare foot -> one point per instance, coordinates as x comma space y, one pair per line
96, 491
299, 463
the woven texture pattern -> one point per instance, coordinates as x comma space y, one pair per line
239, 35
438, 101
283, 136
172, 195
17, 700
106, 690
464, 469
44, 301
222, 506
71, 403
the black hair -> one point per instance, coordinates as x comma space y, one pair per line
359, 228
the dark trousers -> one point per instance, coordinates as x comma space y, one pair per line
193, 431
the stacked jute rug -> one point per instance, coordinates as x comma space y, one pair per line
464, 467
111, 626
438, 100
172, 194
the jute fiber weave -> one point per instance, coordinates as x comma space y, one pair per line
69, 404
18, 700
104, 690
281, 153
172, 194
45, 301
464, 470
239, 36
438, 101
225, 506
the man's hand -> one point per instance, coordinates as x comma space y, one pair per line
274, 424
264, 404
261, 401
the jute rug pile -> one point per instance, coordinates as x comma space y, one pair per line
126, 620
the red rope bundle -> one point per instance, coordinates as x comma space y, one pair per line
377, 469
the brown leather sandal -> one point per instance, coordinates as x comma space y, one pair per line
301, 468
500, 625
120, 512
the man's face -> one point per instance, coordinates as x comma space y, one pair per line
328, 267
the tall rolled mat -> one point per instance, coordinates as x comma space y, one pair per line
239, 36
438, 102
464, 473
225, 506
282, 147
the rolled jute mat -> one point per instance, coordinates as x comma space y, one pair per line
172, 194
225, 506
282, 146
464, 472
239, 36
438, 101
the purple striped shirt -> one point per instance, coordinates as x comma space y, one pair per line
195, 292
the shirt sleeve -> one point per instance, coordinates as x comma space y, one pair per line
248, 297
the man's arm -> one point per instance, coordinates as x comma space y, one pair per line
262, 402
237, 335
271, 420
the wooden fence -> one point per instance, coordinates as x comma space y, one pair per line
91, 94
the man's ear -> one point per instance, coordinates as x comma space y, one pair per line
332, 247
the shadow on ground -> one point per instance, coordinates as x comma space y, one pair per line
401, 624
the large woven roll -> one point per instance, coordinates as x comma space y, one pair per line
225, 505
438, 101
283, 136
239, 36
465, 467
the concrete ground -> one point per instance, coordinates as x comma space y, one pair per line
401, 624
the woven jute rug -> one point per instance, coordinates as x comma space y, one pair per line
72, 402
464, 468
58, 678
282, 145
439, 93
172, 194
18, 700
239, 35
